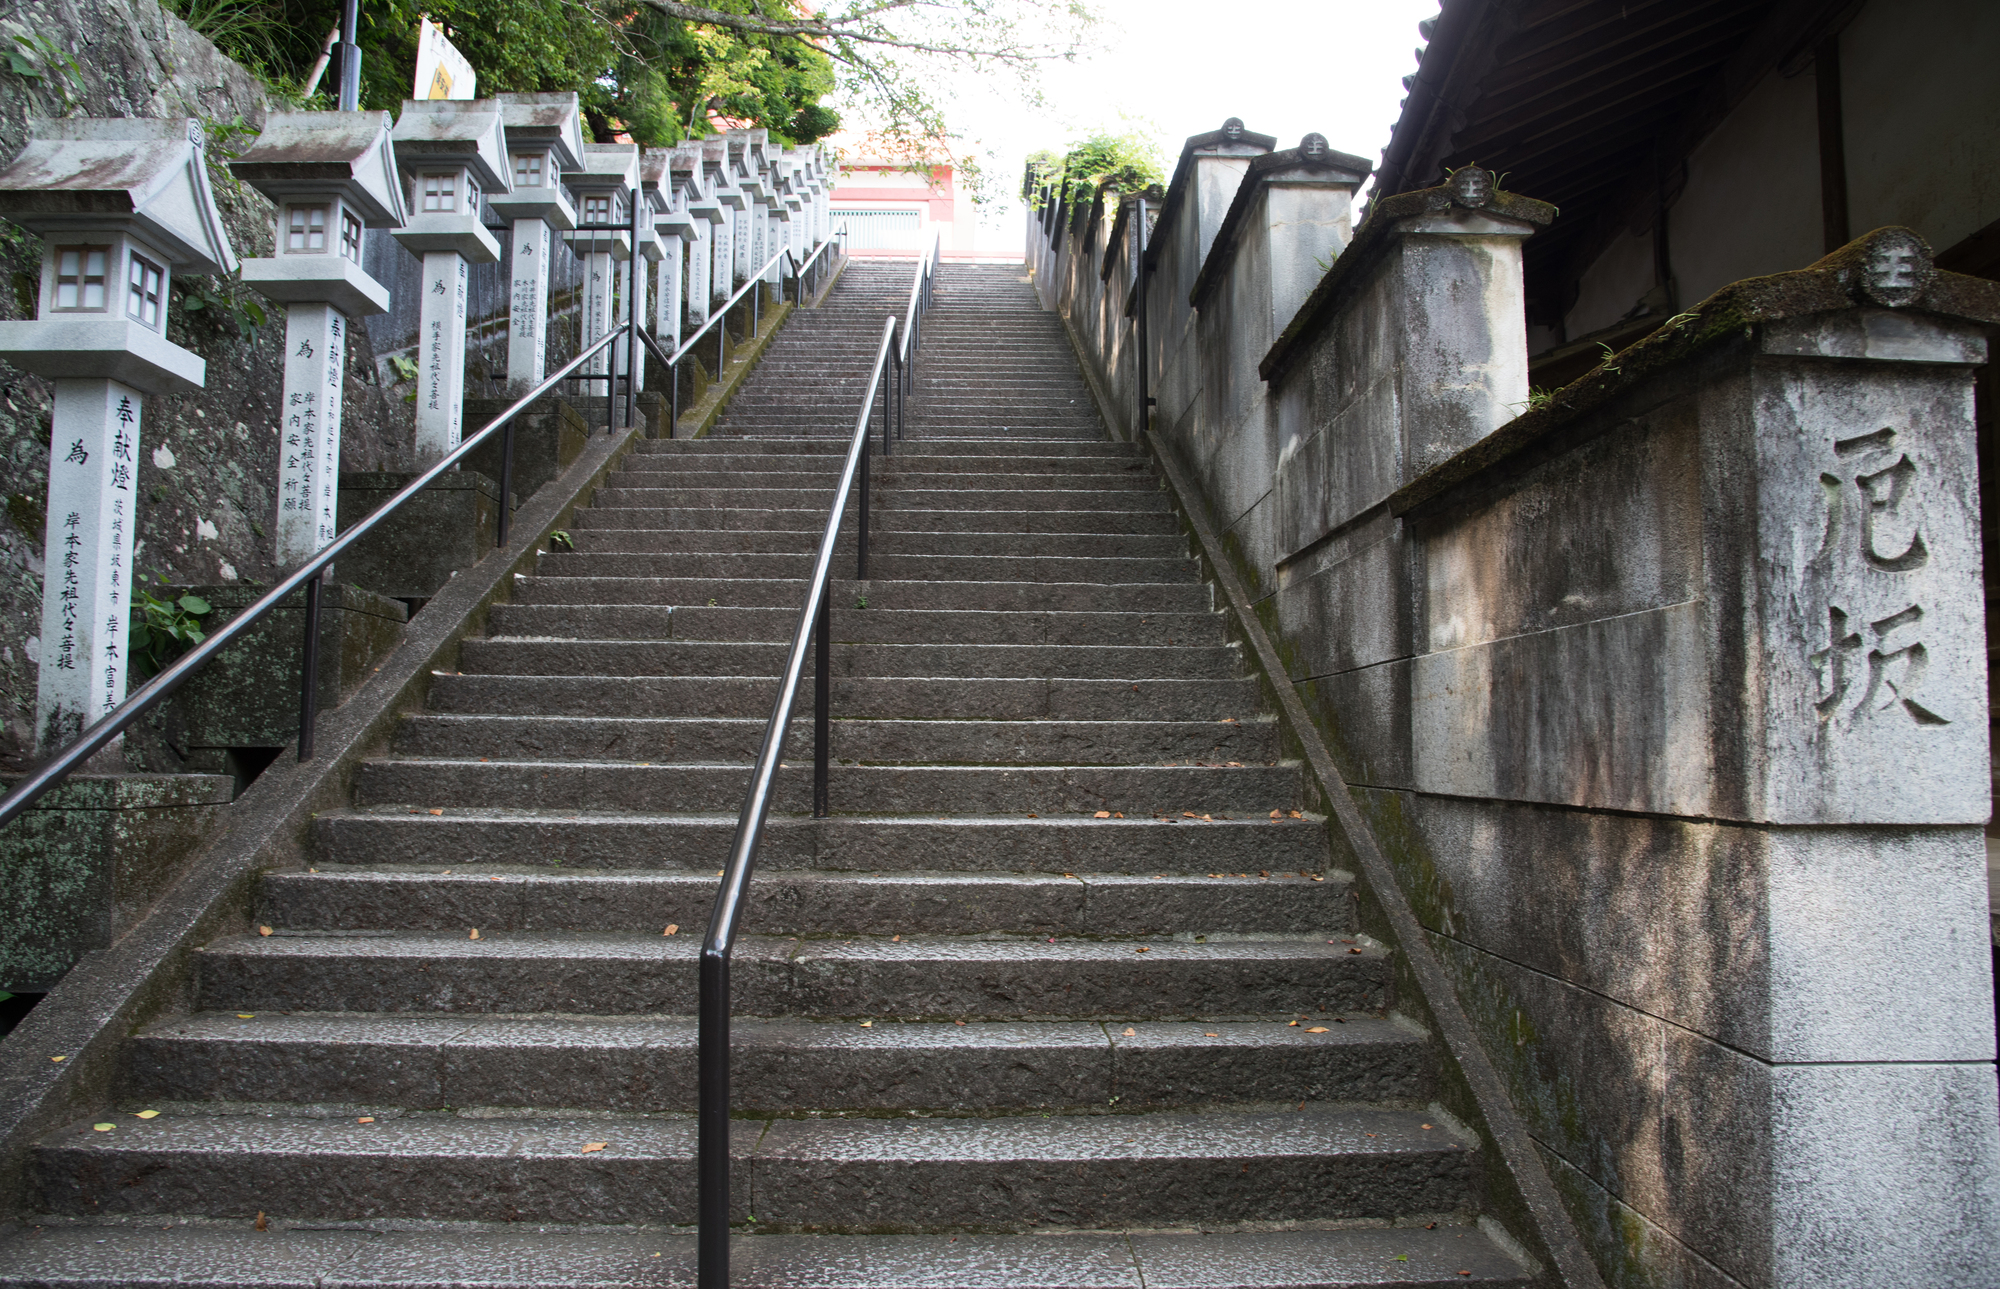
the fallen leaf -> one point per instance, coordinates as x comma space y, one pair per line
1102, 814
1209, 1033
1291, 1022
492, 879
262, 1225
263, 930
148, 1114
1354, 951
673, 928
1141, 949
1071, 875
1207, 819
1275, 814
437, 812
1318, 879
102, 1127
1427, 1127
1130, 1032
58, 1058
1237, 764
1297, 815
366, 1118
958, 1022
1034, 816
718, 872
1119, 814
1189, 814
1263, 872
592, 1147
867, 1024
1317, 1029
246, 1015
475, 934
895, 939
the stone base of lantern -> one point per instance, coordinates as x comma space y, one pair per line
549, 435
449, 526
248, 697
80, 867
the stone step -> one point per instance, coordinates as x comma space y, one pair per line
676, 519
501, 897
895, 478
1136, 597
883, 566
1009, 1172
918, 977
93, 1256
636, 1064
875, 626
1085, 467
802, 540
610, 841
779, 445
1032, 698
888, 498
708, 740
439, 783
516, 656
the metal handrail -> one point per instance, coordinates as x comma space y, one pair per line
308, 574
913, 323
815, 625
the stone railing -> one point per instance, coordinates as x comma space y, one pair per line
1665, 697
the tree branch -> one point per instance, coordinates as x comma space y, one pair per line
839, 30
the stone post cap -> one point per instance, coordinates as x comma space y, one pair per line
548, 120
606, 167
343, 154
1470, 189
1888, 268
145, 176
1312, 163
454, 132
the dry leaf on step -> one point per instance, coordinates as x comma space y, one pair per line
592, 1147
1102, 814
437, 812
262, 1225
475, 934
263, 930
1317, 1029
1130, 1032
673, 928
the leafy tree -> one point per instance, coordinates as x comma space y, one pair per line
1128, 161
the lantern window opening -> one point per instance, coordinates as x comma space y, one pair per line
471, 195
305, 230
144, 280
82, 273
440, 193
350, 235
528, 170
597, 210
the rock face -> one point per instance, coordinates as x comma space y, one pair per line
209, 463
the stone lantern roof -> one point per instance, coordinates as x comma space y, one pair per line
453, 132
146, 177
552, 121
607, 169
343, 154
672, 218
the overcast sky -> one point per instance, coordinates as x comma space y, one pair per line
1173, 68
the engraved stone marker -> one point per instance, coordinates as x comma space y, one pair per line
544, 138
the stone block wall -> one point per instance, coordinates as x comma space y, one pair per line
1665, 698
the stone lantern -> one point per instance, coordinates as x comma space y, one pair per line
450, 153
120, 204
331, 174
605, 186
676, 228
691, 179
750, 167
544, 138
729, 199
653, 198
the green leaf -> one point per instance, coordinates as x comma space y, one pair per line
193, 303
194, 604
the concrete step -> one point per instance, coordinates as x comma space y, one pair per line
636, 1064
1102, 1171
877, 626
708, 740
92, 1256
899, 477
804, 540
882, 567
478, 840
1063, 597
919, 977
440, 783
517, 656
1030, 698
887, 498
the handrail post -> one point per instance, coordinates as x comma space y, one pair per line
861, 553
506, 483
823, 698
309, 671
712, 1129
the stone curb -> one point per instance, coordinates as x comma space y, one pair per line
65, 1059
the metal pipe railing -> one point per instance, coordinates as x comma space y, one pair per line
815, 623
913, 323
307, 575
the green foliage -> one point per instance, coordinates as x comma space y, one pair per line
225, 302
1128, 161
40, 60
163, 629
561, 540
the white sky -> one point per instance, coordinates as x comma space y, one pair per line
1172, 68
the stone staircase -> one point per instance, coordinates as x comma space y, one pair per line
1065, 995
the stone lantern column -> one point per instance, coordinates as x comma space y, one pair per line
605, 185
120, 205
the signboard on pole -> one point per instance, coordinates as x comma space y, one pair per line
442, 71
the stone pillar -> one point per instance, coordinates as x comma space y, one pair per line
599, 292
309, 434
631, 299
441, 355
722, 244
701, 260
86, 600
667, 294
528, 306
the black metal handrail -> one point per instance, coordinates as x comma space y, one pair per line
815, 627
913, 322
153, 692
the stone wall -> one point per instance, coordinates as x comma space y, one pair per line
1665, 698
208, 461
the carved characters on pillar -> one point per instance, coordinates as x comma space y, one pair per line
1872, 662
1898, 268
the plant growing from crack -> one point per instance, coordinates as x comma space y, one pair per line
163, 629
